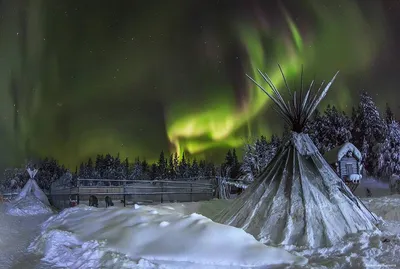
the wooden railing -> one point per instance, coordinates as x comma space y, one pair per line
133, 191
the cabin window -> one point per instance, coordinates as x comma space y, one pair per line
349, 168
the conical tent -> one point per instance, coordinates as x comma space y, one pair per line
298, 199
31, 188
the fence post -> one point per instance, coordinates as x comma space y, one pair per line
77, 195
124, 195
162, 192
191, 192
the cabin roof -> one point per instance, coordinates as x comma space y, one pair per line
337, 153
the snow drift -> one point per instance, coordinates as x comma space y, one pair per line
31, 200
153, 235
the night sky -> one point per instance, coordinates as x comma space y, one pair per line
79, 78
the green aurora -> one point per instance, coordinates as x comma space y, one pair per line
80, 78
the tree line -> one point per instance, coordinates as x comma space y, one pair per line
377, 137
113, 168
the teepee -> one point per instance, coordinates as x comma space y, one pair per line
32, 188
298, 199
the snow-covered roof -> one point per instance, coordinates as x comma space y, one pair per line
339, 152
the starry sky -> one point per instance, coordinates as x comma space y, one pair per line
78, 78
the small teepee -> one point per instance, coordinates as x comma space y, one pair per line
31, 188
298, 199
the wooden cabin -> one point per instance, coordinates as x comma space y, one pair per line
346, 161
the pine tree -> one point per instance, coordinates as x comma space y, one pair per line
126, 168
229, 158
261, 151
232, 163
331, 129
154, 172
210, 170
202, 168
194, 169
389, 116
82, 171
369, 128
249, 162
137, 170
389, 163
257, 156
171, 168
162, 166
145, 170
99, 166
119, 169
235, 167
184, 168
89, 168
176, 164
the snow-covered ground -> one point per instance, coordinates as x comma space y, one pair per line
157, 237
16, 233
168, 236
377, 187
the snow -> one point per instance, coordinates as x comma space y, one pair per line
61, 248
16, 232
344, 149
339, 152
237, 183
355, 178
86, 237
30, 205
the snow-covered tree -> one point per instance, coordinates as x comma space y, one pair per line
232, 162
184, 168
202, 168
369, 129
331, 129
67, 179
171, 170
137, 171
194, 169
249, 164
257, 156
389, 161
162, 166
389, 116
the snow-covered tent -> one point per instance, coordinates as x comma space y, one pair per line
31, 188
31, 200
298, 199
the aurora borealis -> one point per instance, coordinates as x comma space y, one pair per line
80, 78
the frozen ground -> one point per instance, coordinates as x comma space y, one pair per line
366, 250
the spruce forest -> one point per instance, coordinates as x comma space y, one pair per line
376, 134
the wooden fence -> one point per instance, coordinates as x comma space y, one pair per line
131, 191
